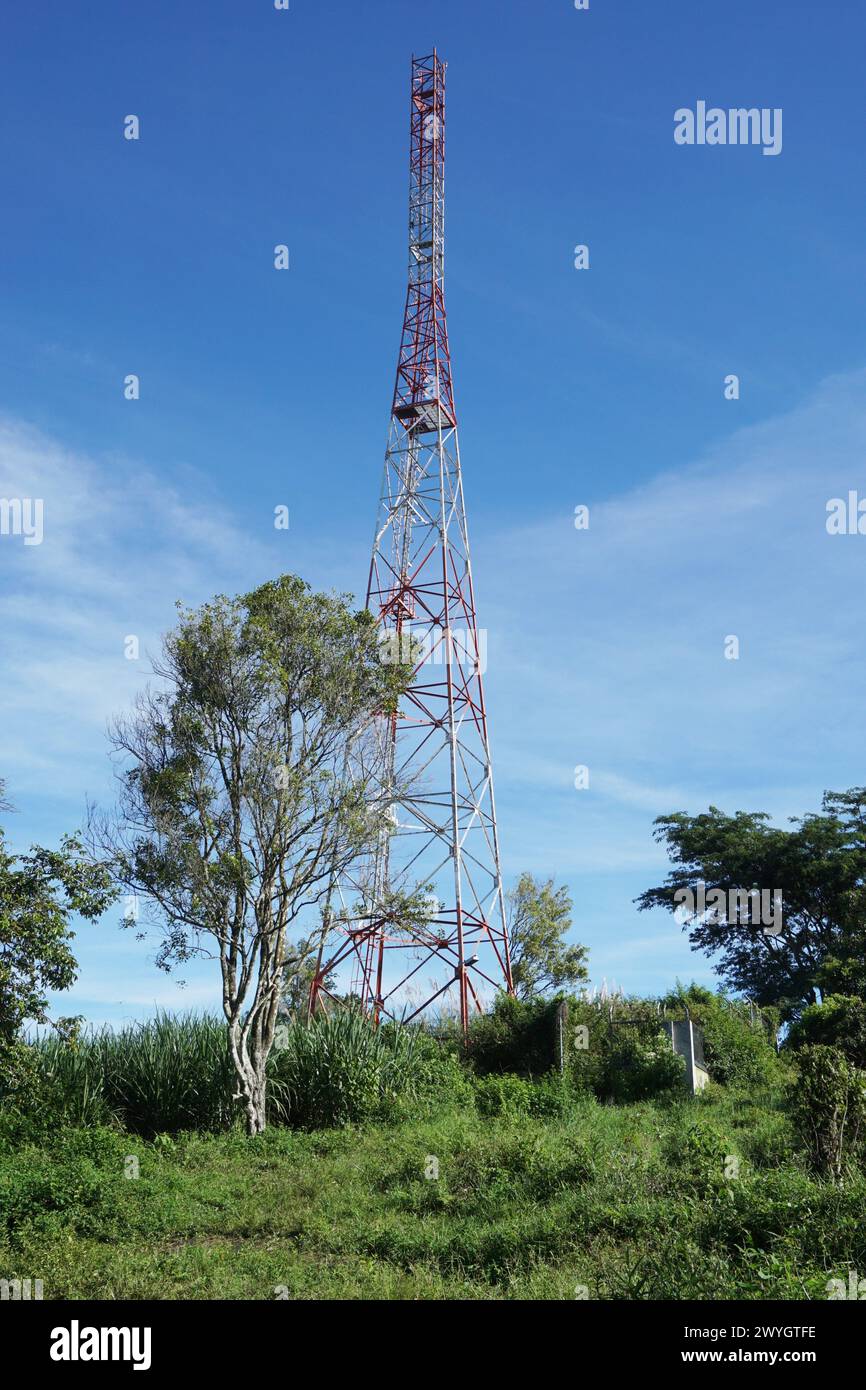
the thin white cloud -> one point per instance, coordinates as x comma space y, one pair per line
605, 647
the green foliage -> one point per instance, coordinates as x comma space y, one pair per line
697, 1151
298, 974
517, 1035
245, 746
162, 1076
443, 1079
339, 1070
539, 915
631, 1202
637, 1068
625, 1060
515, 1096
621, 1053
73, 1179
249, 783
819, 866
174, 1073
39, 893
738, 1048
840, 1021
503, 1095
552, 1095
765, 1138
618, 1052
828, 1109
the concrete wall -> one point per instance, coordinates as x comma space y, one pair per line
687, 1041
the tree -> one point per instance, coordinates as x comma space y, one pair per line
839, 1021
298, 974
818, 944
539, 915
39, 893
828, 1109
250, 781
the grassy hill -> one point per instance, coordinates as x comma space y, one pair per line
602, 1201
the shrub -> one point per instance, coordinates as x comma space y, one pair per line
736, 1051
828, 1109
551, 1095
840, 1021
76, 1179
623, 1055
698, 1152
636, 1069
518, 1036
441, 1077
503, 1095
19, 1072
624, 1059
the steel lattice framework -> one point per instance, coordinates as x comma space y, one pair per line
435, 753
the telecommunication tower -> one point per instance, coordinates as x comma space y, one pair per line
436, 765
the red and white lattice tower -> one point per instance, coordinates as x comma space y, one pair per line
437, 771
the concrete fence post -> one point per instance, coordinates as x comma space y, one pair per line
561, 1025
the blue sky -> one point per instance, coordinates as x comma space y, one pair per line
602, 387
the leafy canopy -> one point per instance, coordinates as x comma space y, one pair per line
539, 916
40, 892
819, 865
252, 777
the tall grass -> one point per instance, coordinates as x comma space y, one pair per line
340, 1070
174, 1073
168, 1074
